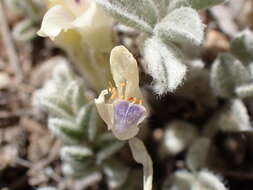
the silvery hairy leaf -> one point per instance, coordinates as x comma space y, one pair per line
180, 180
106, 145
182, 26
64, 129
234, 117
141, 14
244, 91
203, 4
197, 154
116, 173
164, 62
242, 46
76, 153
208, 181
196, 4
226, 74
177, 136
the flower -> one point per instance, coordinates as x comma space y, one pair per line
91, 22
84, 31
124, 111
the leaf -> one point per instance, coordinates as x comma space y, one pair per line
234, 117
208, 181
73, 95
175, 4
62, 74
242, 46
116, 173
108, 151
196, 4
244, 91
87, 120
197, 154
64, 128
180, 180
164, 63
141, 14
56, 107
226, 74
76, 153
182, 26
177, 136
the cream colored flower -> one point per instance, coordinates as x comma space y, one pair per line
84, 31
124, 111
93, 24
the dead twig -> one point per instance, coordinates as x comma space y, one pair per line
9, 44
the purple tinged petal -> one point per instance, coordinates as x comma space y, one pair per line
126, 115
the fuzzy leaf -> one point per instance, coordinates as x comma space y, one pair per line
164, 63
47, 188
234, 117
244, 91
76, 153
197, 154
181, 26
203, 4
87, 120
73, 95
177, 136
62, 73
180, 180
78, 171
24, 31
64, 128
175, 4
56, 106
208, 181
226, 74
242, 46
108, 149
196, 4
116, 173
141, 14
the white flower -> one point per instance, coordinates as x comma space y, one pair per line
83, 16
124, 111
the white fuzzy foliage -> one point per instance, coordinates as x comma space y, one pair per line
197, 154
107, 145
177, 136
203, 4
180, 180
164, 63
47, 188
141, 14
242, 46
76, 153
196, 4
181, 26
226, 74
244, 91
203, 180
116, 173
234, 117
208, 181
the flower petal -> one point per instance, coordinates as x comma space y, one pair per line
105, 110
77, 7
141, 156
56, 20
126, 118
95, 26
124, 69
